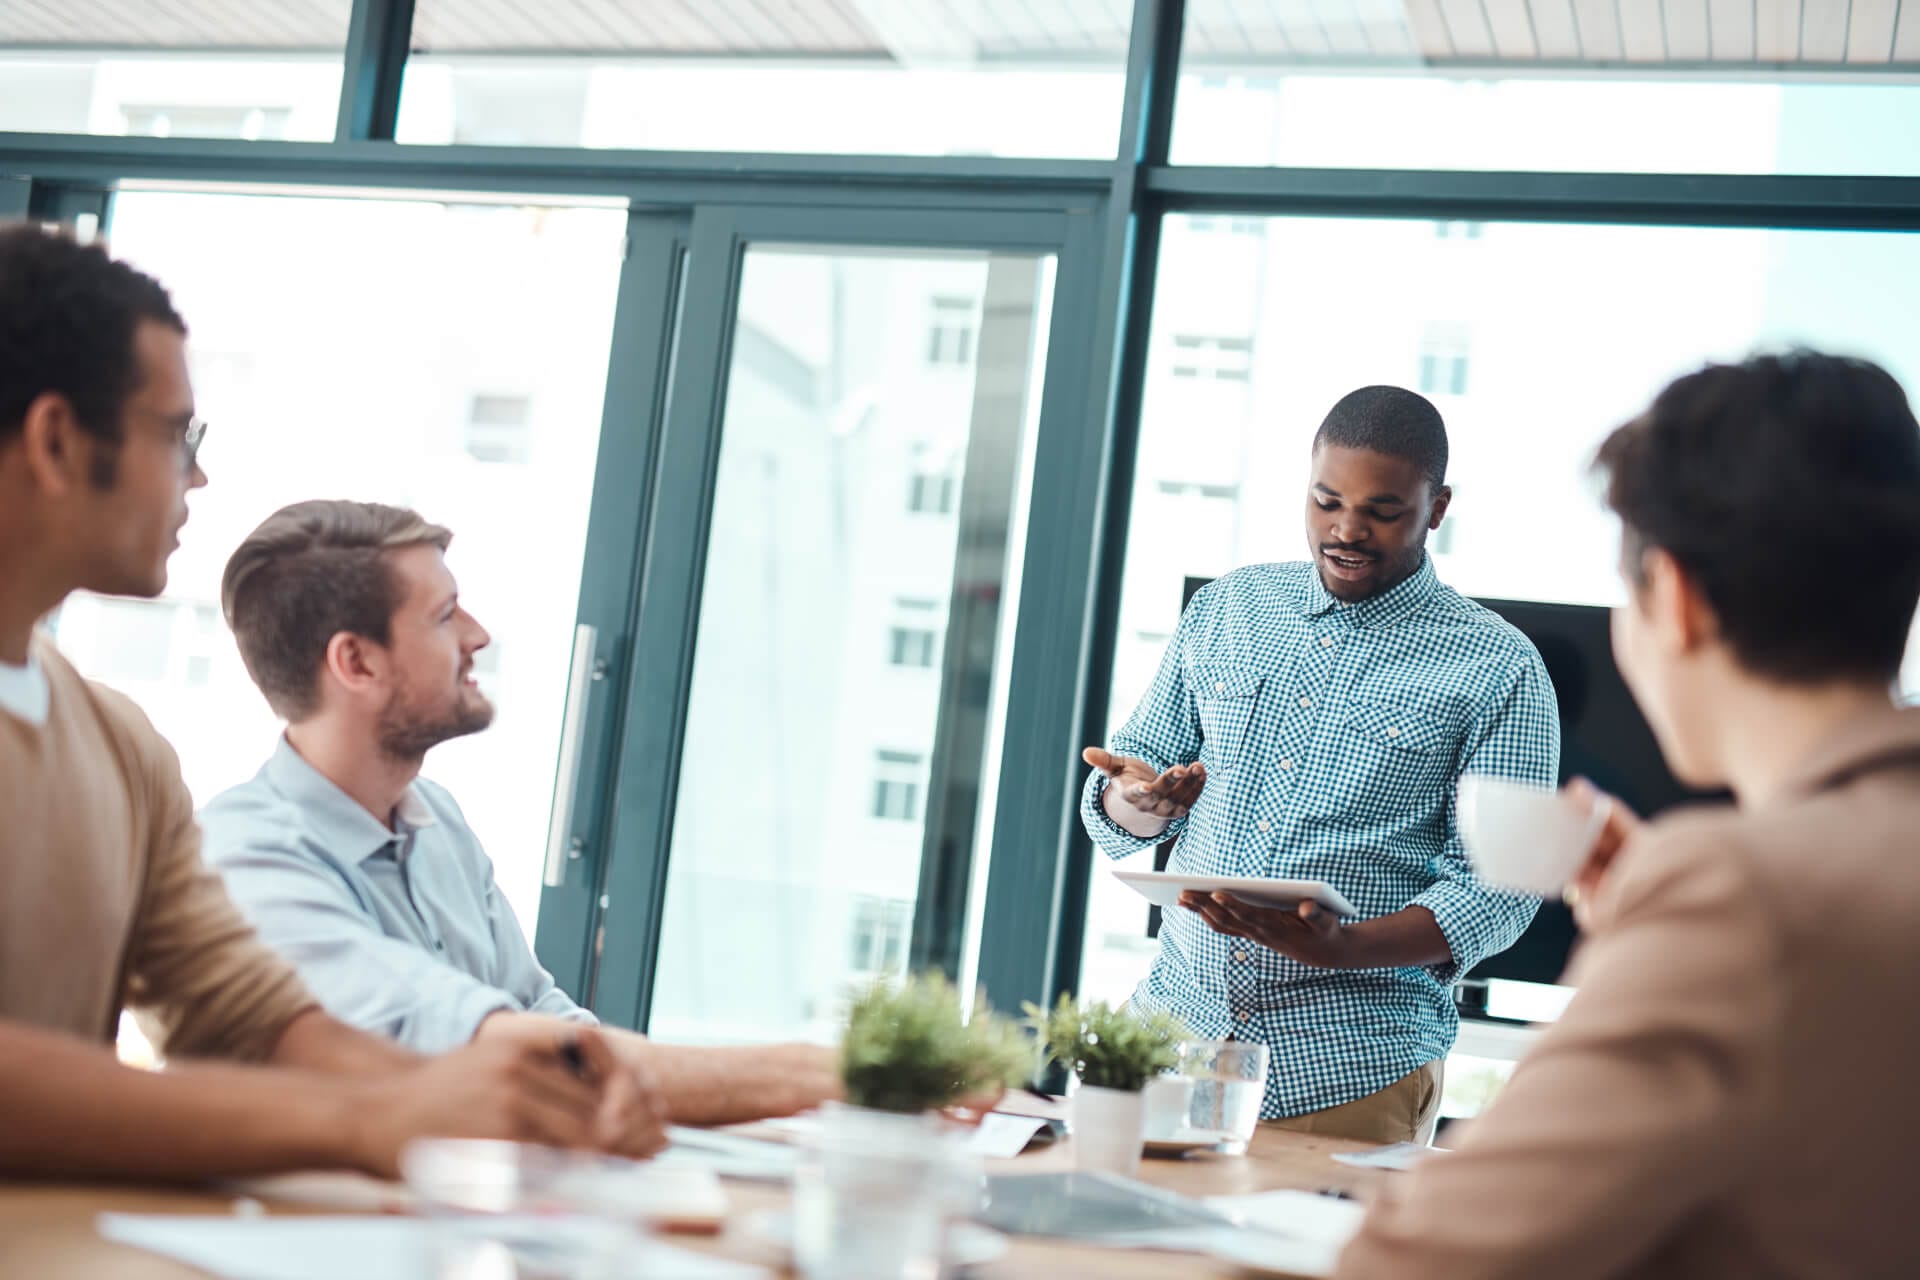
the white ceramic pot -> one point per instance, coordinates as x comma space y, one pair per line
1109, 1127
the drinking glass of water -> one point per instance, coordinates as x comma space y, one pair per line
1227, 1079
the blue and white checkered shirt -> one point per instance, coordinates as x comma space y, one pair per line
1333, 734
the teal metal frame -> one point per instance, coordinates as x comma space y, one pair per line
645, 325
690, 217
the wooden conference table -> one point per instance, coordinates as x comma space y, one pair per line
46, 1229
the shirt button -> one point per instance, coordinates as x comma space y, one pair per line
1266, 826
1220, 686
1305, 703
1241, 956
1286, 764
1243, 1015
1326, 642
1393, 731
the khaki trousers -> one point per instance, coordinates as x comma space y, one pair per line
1405, 1111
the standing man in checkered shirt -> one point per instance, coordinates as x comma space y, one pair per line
1309, 721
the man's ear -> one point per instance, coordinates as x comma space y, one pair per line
1441, 501
354, 662
1677, 606
58, 450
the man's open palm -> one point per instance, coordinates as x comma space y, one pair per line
1136, 784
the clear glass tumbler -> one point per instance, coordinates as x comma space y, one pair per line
1227, 1079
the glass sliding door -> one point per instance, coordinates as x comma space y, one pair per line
815, 678
879, 408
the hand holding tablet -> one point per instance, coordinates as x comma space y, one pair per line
1163, 889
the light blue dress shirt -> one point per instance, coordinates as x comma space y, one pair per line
399, 932
1333, 734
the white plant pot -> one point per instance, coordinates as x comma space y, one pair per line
1109, 1128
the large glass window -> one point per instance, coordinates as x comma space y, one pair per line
471, 391
188, 68
1654, 86
851, 666
845, 76
1533, 339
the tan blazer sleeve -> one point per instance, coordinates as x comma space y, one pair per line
1631, 1113
195, 971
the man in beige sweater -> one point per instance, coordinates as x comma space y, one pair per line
104, 902
1730, 1092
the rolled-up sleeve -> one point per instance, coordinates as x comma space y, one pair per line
361, 976
1164, 731
1518, 738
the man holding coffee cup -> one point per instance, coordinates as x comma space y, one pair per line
1730, 1095
1309, 721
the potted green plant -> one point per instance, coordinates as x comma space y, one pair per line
909, 1049
888, 1171
1115, 1054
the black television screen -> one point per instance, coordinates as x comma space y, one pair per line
1603, 737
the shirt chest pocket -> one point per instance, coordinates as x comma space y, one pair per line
1380, 758
1226, 698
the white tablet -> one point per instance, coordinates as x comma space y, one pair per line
1163, 889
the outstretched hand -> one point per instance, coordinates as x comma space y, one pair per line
1136, 784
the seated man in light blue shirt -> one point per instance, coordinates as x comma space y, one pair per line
365, 875
1309, 722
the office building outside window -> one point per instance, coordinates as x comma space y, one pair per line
880, 931
897, 784
950, 335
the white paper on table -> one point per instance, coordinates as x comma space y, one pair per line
1303, 1215
339, 1192
1025, 1102
730, 1155
327, 1248
1163, 1239
1399, 1155
1292, 1232
1002, 1137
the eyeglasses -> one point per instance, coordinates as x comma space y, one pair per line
186, 439
190, 443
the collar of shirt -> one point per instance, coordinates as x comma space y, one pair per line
1376, 611
24, 691
339, 820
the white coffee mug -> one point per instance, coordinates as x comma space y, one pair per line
1524, 837
1167, 1101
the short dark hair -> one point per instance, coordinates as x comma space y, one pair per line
309, 572
1393, 421
1788, 487
68, 315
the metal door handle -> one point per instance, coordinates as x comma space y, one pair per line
562, 844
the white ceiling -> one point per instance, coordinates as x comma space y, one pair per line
1729, 34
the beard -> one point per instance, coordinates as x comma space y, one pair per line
407, 730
